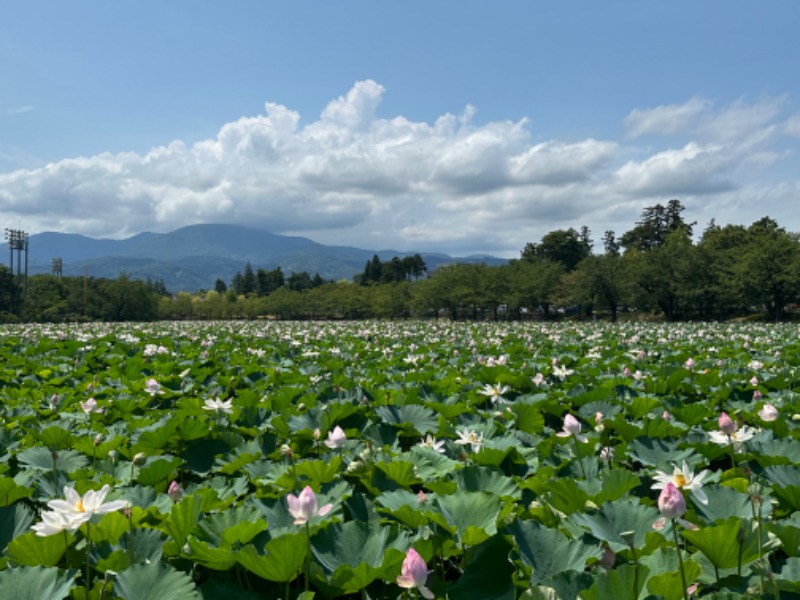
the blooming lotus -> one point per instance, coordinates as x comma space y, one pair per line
90, 406
304, 506
414, 574
54, 522
572, 427
730, 433
562, 372
467, 436
336, 438
79, 509
432, 443
495, 392
219, 405
152, 387
683, 478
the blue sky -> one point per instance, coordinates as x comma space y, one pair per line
452, 126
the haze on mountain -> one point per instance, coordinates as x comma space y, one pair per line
192, 258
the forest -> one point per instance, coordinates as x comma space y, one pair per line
654, 271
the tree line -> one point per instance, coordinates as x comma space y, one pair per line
654, 270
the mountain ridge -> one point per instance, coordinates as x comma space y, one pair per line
193, 257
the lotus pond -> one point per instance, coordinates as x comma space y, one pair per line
399, 460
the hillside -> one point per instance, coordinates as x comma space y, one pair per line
194, 257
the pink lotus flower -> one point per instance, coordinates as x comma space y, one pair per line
90, 406
152, 387
415, 574
336, 438
768, 413
671, 502
572, 427
304, 506
175, 491
726, 424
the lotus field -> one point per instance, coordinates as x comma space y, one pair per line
399, 460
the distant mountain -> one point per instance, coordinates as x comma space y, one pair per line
194, 257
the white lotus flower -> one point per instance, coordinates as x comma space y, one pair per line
495, 392
467, 436
80, 509
431, 442
54, 522
219, 405
683, 478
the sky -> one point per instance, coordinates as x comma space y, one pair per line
465, 127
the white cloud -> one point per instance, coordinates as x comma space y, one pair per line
666, 119
353, 177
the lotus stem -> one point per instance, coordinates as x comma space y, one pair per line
680, 560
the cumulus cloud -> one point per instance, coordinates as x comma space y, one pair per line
354, 177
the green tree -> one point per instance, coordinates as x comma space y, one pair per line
656, 223
566, 247
663, 277
46, 299
769, 269
248, 280
126, 299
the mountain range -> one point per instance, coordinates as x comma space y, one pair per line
192, 258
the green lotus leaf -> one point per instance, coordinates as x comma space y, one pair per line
403, 506
153, 438
626, 516
11, 491
482, 479
233, 526
488, 573
44, 459
36, 583
471, 515
158, 471
788, 531
527, 418
154, 582
395, 474
14, 521
318, 472
788, 578
722, 544
430, 465
281, 559
565, 495
549, 552
55, 437
725, 502
183, 518
32, 550
142, 545
659, 454
215, 558
412, 418
664, 575
626, 581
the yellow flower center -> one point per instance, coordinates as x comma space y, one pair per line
680, 480
79, 506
